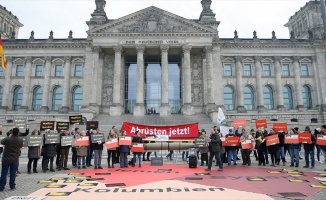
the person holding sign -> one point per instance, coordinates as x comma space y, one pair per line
137, 139
49, 151
64, 152
309, 149
260, 146
322, 147
294, 151
232, 150
81, 152
273, 148
98, 150
215, 145
34, 154
113, 151
124, 150
245, 151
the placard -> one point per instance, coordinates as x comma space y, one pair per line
239, 123
97, 138
261, 123
200, 142
223, 139
125, 140
232, 141
137, 147
92, 125
305, 138
225, 130
1, 138
82, 141
47, 125
291, 139
247, 144
67, 140
77, 119
272, 140
280, 127
34, 141
112, 143
321, 140
62, 126
20, 123
24, 138
52, 138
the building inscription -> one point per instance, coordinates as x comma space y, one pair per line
153, 42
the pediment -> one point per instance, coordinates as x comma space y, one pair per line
152, 20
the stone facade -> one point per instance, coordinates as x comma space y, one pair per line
9, 24
209, 65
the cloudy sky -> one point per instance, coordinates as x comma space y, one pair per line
245, 16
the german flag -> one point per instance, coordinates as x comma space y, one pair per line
3, 58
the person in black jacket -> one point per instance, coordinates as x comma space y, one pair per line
64, 152
281, 152
272, 149
309, 149
260, 146
34, 153
215, 145
137, 139
49, 151
1, 148
98, 150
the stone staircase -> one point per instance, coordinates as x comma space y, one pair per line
106, 121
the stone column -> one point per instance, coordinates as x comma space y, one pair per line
165, 107
139, 109
278, 81
239, 89
27, 83
210, 78
66, 85
7, 84
260, 95
317, 95
186, 109
297, 83
116, 109
46, 85
96, 59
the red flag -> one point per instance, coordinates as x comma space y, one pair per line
3, 58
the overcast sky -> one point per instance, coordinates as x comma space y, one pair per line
245, 16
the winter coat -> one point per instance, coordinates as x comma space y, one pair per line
310, 147
215, 144
204, 149
97, 146
12, 148
81, 151
34, 152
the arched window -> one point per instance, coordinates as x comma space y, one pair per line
77, 98
287, 97
18, 98
1, 95
228, 98
248, 96
306, 95
57, 98
268, 98
37, 98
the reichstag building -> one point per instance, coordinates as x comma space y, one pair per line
153, 64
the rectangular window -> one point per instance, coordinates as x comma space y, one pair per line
1, 71
78, 70
58, 70
227, 70
39, 70
267, 69
247, 70
304, 70
19, 70
286, 69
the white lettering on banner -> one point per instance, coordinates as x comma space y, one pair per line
155, 131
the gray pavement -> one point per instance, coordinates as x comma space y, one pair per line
28, 183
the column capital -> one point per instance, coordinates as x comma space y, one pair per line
314, 58
296, 58
186, 48
238, 58
118, 49
258, 58
67, 58
140, 48
277, 58
96, 49
164, 48
208, 49
28, 59
48, 58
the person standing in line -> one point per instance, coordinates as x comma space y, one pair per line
34, 154
231, 150
98, 150
281, 150
323, 148
117, 158
64, 152
316, 132
214, 147
309, 149
137, 139
81, 153
273, 149
1, 148
112, 152
75, 133
124, 150
204, 149
49, 151
89, 149
10, 159
246, 152
294, 151
260, 145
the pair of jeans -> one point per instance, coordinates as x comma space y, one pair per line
280, 154
217, 158
81, 160
318, 152
310, 154
183, 155
294, 153
123, 159
12, 168
233, 154
111, 157
29, 164
89, 155
170, 154
134, 158
46, 161
97, 158
74, 156
324, 153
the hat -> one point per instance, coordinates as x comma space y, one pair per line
296, 128
307, 129
324, 126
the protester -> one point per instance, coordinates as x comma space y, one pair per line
273, 149
10, 159
309, 149
137, 139
231, 150
64, 152
98, 150
34, 153
323, 148
81, 152
214, 147
260, 146
49, 151
89, 149
246, 152
124, 150
204, 149
112, 153
294, 151
281, 150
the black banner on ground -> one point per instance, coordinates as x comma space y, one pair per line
33, 141
62, 126
53, 138
20, 123
97, 138
47, 125
67, 140
78, 119
92, 125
